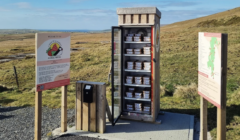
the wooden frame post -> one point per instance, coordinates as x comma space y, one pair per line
38, 115
64, 109
203, 118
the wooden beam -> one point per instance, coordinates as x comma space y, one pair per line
128, 19
144, 18
203, 118
221, 112
64, 109
120, 19
85, 116
93, 110
221, 123
101, 108
135, 19
38, 115
79, 106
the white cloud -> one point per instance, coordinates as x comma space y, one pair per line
23, 5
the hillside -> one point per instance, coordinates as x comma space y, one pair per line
178, 68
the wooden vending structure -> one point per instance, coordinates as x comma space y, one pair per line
135, 61
91, 116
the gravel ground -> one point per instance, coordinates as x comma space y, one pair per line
17, 123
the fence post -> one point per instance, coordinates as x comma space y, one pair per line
16, 77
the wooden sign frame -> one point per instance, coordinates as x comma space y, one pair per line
221, 111
38, 112
52, 50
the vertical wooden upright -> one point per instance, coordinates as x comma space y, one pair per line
64, 109
38, 115
221, 112
203, 118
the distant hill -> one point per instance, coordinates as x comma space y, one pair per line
17, 31
226, 18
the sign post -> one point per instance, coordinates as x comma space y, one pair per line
212, 73
52, 70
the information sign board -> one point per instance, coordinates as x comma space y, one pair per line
52, 60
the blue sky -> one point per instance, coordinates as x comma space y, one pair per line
98, 14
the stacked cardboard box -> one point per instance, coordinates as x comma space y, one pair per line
146, 108
129, 94
138, 95
138, 106
129, 51
146, 80
138, 65
129, 79
137, 51
129, 37
137, 38
138, 80
129, 106
146, 94
130, 65
147, 65
146, 50
147, 38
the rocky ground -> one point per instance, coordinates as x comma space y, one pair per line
17, 123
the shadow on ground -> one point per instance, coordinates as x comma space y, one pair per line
231, 111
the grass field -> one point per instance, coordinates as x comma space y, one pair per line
178, 68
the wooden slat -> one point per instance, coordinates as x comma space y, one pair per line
93, 110
85, 115
203, 119
120, 19
38, 115
128, 19
144, 18
135, 19
64, 109
79, 106
151, 18
101, 108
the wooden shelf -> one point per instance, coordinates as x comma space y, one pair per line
135, 85
135, 42
137, 99
128, 70
137, 55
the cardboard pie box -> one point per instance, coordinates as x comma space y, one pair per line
137, 39
146, 108
147, 48
131, 89
128, 38
138, 105
146, 38
129, 81
130, 77
138, 35
130, 35
146, 94
138, 95
129, 94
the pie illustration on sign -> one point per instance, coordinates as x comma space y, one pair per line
54, 50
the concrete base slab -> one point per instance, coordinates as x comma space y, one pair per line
173, 126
